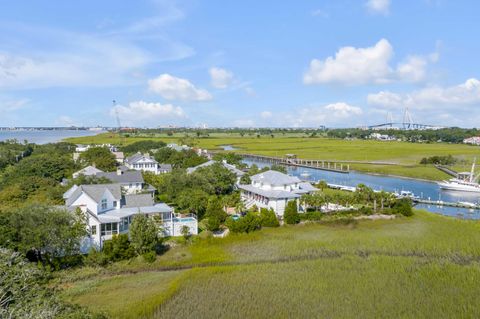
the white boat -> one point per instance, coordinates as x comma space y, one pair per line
463, 185
305, 174
468, 204
406, 194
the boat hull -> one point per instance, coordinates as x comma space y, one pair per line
459, 188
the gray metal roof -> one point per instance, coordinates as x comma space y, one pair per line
126, 177
138, 200
114, 215
165, 167
137, 157
305, 187
95, 192
88, 171
275, 178
269, 193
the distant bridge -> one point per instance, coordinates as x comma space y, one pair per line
405, 126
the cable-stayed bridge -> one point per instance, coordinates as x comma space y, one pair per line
406, 124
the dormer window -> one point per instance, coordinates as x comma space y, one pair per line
104, 204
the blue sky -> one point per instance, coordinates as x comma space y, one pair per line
239, 63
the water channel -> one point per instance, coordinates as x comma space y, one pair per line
424, 189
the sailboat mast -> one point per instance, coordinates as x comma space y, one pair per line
472, 173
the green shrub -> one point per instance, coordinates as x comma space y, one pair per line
291, 215
118, 248
150, 256
144, 234
247, 224
403, 206
268, 218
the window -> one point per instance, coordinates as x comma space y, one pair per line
109, 229
104, 204
93, 230
115, 203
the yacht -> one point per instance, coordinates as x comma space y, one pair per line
467, 184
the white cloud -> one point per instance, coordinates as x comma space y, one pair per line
173, 88
378, 6
141, 113
334, 114
386, 99
354, 66
462, 95
221, 78
266, 114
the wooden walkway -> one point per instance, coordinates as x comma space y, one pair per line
299, 162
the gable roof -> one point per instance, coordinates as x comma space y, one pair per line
269, 193
125, 178
95, 192
88, 171
138, 157
275, 178
138, 200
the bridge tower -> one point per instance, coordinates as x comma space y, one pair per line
407, 119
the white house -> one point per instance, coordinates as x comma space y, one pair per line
146, 163
109, 212
272, 189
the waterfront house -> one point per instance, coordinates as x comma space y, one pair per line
272, 189
146, 163
131, 181
109, 212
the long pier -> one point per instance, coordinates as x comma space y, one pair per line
442, 203
299, 162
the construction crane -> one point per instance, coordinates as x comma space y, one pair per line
119, 125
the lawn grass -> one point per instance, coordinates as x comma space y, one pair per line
405, 156
424, 266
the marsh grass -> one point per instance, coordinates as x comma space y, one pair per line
383, 268
406, 155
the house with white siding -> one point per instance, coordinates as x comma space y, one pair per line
272, 189
109, 212
146, 163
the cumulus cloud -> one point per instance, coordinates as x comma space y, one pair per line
141, 113
452, 97
378, 6
221, 78
353, 66
333, 114
173, 88
65, 120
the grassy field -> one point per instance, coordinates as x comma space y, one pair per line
404, 156
424, 266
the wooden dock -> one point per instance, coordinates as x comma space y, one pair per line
442, 203
299, 162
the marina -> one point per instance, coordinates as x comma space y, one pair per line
430, 196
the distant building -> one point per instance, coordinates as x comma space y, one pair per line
474, 140
272, 189
119, 157
109, 212
178, 148
146, 163
382, 137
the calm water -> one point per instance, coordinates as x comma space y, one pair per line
43, 137
427, 190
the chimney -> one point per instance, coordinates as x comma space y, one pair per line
119, 171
